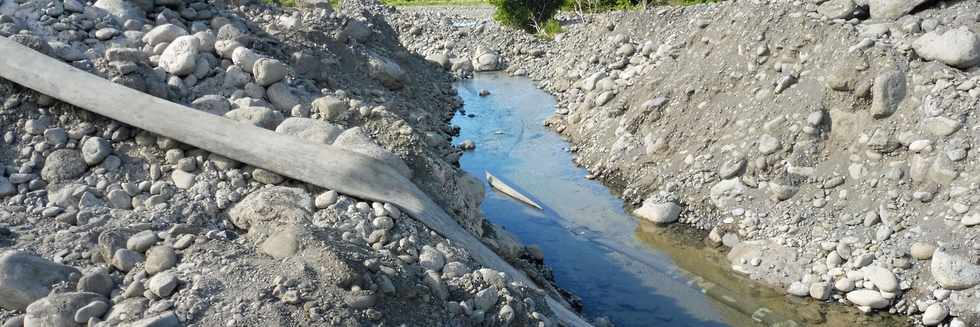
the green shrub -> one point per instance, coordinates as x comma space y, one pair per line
551, 28
529, 15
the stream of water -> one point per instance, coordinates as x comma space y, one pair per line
634, 273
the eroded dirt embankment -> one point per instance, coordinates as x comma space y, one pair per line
827, 143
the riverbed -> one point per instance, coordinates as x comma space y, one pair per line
632, 272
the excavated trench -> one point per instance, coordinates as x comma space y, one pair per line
634, 273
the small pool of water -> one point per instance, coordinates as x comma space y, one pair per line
636, 274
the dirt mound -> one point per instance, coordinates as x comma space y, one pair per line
165, 234
836, 131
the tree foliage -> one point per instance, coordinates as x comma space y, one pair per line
529, 15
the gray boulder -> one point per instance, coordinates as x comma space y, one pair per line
283, 243
258, 116
24, 278
64, 164
958, 48
320, 4
268, 71
58, 310
282, 97
837, 9
868, 298
658, 212
6, 187
245, 58
440, 59
163, 34
98, 282
166, 319
355, 30
356, 140
388, 72
278, 205
309, 129
888, 10
212, 104
95, 149
330, 107
888, 92
725, 193
952, 271
485, 60
163, 284
160, 258
119, 10
180, 57
206, 39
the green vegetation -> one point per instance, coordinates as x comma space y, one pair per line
529, 15
551, 28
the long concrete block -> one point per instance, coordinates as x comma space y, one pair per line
322, 165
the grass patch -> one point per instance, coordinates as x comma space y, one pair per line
551, 28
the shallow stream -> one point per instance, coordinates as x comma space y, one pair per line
634, 273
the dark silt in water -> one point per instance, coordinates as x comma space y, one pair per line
634, 273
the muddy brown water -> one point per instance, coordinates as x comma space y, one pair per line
633, 272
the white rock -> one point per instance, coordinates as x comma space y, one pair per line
971, 219
768, 144
953, 271
180, 57
657, 212
354, 139
820, 291
95, 149
935, 314
325, 199
313, 130
867, 298
330, 107
959, 47
25, 278
725, 193
182, 179
922, 251
844, 285
268, 71
431, 258
882, 278
245, 58
887, 10
798, 289
162, 284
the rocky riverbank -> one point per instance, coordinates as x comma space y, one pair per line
103, 224
826, 143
